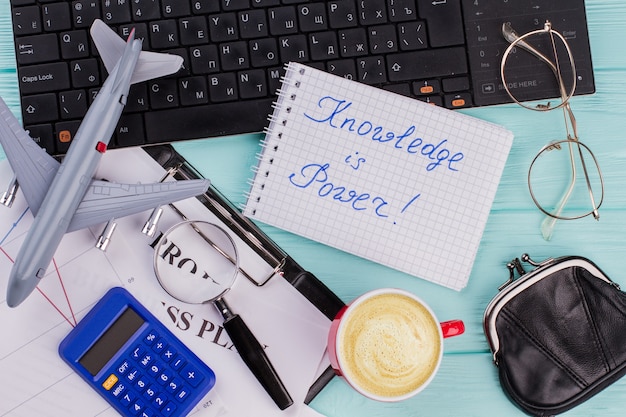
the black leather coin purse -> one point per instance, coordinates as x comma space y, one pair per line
557, 333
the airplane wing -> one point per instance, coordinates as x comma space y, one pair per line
33, 167
149, 64
106, 200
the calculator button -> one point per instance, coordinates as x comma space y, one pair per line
159, 346
168, 354
173, 386
183, 394
118, 390
133, 375
169, 409
137, 407
146, 360
191, 375
110, 382
155, 369
150, 393
165, 377
137, 353
123, 367
151, 337
159, 400
178, 363
142, 383
127, 398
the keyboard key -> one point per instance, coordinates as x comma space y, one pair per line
234, 56
412, 36
56, 16
383, 39
293, 48
444, 21
402, 10
312, 17
129, 130
372, 12
72, 104
85, 73
26, 20
252, 84
175, 8
252, 24
74, 44
234, 4
342, 14
65, 133
37, 48
264, 53
193, 91
223, 87
455, 84
144, 10
427, 64
371, 70
39, 108
193, 30
282, 21
116, 12
353, 42
223, 27
164, 34
84, 12
324, 46
42, 134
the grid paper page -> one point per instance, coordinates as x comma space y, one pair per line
378, 175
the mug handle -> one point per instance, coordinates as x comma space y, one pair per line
452, 328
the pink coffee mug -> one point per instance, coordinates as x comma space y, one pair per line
388, 344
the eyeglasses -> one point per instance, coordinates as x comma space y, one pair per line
561, 197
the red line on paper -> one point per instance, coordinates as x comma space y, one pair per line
7, 255
55, 307
73, 320
65, 292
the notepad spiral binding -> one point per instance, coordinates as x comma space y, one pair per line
287, 94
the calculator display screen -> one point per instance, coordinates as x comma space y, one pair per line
111, 341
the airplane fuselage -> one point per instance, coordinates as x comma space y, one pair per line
72, 179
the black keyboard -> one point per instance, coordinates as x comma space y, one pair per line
446, 52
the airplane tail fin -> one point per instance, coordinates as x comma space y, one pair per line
149, 65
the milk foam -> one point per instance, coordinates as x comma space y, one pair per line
389, 345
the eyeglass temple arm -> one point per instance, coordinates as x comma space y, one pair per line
511, 36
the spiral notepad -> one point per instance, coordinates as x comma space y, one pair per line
382, 176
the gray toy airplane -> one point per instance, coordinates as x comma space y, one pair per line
64, 197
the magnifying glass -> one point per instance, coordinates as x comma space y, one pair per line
196, 262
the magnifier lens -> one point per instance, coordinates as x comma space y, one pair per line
196, 261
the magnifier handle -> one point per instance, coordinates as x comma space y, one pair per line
254, 356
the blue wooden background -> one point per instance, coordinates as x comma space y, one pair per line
467, 383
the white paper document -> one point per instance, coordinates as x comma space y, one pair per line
37, 382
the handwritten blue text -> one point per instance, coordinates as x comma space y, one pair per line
438, 153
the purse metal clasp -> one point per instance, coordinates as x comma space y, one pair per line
516, 265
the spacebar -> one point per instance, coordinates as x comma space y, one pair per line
206, 121
416, 65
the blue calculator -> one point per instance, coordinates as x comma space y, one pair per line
134, 361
